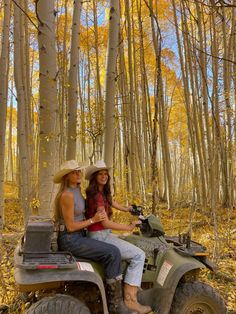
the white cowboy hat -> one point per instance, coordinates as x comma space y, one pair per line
68, 167
99, 165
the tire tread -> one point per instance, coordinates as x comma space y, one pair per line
58, 304
186, 291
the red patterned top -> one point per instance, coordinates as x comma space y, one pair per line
92, 203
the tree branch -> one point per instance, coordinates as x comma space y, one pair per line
26, 14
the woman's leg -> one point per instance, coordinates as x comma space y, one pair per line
134, 255
109, 256
105, 253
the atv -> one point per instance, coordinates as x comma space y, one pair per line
56, 282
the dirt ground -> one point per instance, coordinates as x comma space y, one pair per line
218, 236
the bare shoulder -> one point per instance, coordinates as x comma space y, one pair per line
67, 197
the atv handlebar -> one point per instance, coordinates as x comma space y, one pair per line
136, 210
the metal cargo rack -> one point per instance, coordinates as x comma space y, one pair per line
48, 260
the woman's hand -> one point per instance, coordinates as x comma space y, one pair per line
134, 224
99, 216
128, 209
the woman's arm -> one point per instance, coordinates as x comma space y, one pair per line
109, 224
120, 207
67, 206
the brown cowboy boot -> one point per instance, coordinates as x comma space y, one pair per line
115, 299
130, 300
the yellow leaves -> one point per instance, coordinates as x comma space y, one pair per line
169, 56
107, 13
34, 204
163, 7
63, 32
10, 189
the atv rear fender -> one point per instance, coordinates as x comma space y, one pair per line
36, 279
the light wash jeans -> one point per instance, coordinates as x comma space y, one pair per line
134, 255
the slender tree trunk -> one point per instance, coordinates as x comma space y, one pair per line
145, 101
62, 92
125, 123
114, 25
4, 64
227, 87
131, 102
48, 116
187, 99
73, 82
10, 168
159, 99
99, 102
22, 139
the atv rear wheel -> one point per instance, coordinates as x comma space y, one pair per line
58, 304
197, 298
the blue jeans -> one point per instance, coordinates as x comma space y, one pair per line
134, 255
82, 247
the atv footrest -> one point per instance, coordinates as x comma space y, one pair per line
55, 260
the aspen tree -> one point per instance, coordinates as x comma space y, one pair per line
25, 53
22, 110
99, 103
48, 115
187, 102
73, 82
145, 98
227, 44
110, 85
132, 149
137, 113
63, 83
4, 64
125, 122
195, 112
161, 110
9, 165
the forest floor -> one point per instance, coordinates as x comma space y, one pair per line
175, 221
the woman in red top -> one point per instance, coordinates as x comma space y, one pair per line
99, 200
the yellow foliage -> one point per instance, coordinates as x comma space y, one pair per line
10, 189
61, 28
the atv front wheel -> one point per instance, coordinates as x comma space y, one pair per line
58, 304
197, 298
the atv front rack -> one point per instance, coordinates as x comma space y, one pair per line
52, 260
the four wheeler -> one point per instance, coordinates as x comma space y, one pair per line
57, 283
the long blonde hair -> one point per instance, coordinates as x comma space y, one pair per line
57, 207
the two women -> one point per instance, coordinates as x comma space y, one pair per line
99, 201
69, 214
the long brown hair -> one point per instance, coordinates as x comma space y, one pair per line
92, 189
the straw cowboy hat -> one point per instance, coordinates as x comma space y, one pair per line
68, 167
99, 165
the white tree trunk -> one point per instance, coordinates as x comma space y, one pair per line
48, 115
114, 25
19, 75
73, 82
4, 62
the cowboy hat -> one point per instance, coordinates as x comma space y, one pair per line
99, 165
68, 167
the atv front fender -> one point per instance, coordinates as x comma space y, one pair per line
172, 268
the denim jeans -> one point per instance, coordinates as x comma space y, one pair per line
134, 255
82, 247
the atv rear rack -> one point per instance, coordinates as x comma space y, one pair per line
47, 260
